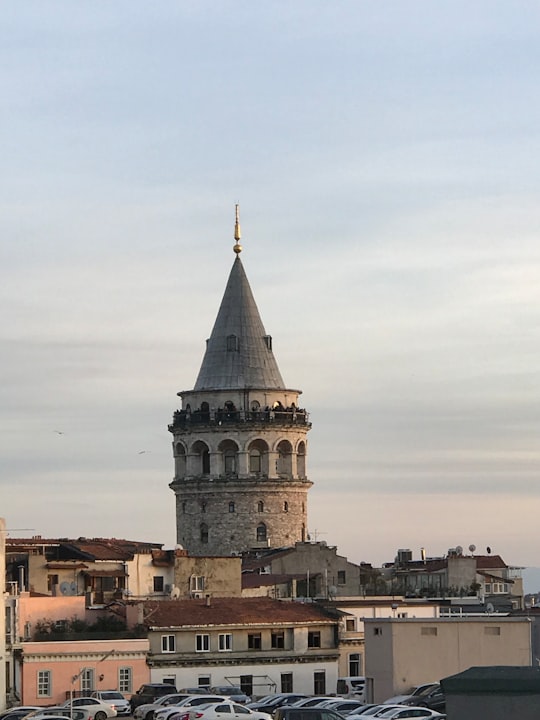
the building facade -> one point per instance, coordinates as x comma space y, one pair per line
239, 439
261, 644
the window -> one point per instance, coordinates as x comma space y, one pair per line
196, 583
261, 533
44, 683
158, 583
355, 664
168, 643
402, 615
285, 506
254, 641
87, 681
203, 506
230, 462
125, 679
428, 631
202, 643
341, 578
225, 642
204, 532
184, 508
205, 458
232, 343
222, 709
350, 625
314, 640
286, 682
52, 581
231, 507
319, 682
278, 639
377, 630
260, 506
492, 630
204, 681
255, 462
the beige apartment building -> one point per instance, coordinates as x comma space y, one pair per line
401, 653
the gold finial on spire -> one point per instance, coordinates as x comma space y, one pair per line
237, 247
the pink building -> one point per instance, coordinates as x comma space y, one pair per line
47, 669
44, 672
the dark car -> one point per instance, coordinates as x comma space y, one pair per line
149, 692
269, 703
306, 713
432, 698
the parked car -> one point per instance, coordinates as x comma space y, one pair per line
98, 709
167, 713
45, 713
148, 710
345, 707
432, 698
411, 712
352, 686
115, 699
286, 712
222, 711
149, 693
372, 711
269, 703
234, 692
417, 690
17, 713
311, 701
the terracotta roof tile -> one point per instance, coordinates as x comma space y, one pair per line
231, 611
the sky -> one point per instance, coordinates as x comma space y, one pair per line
385, 158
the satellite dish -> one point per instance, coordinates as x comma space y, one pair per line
65, 588
490, 607
472, 548
459, 550
332, 591
488, 550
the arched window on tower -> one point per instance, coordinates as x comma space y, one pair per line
202, 454
258, 457
184, 507
231, 507
261, 533
284, 461
204, 532
180, 460
229, 453
301, 460
260, 506
232, 343
285, 506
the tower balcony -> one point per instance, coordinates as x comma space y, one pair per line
288, 417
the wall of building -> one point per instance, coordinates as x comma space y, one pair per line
222, 576
3, 670
404, 653
65, 660
142, 571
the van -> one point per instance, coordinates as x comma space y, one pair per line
353, 687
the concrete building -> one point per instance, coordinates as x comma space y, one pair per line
401, 653
261, 644
240, 438
5, 668
102, 569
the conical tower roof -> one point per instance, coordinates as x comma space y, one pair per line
239, 352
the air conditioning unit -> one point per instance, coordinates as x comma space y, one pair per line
168, 588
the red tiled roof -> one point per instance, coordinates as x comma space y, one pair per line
231, 611
490, 561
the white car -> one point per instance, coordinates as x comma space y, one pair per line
191, 701
98, 709
373, 711
410, 712
148, 710
115, 699
227, 710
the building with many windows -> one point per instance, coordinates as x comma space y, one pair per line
261, 644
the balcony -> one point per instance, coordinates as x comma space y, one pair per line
183, 420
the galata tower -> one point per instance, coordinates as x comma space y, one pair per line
240, 438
